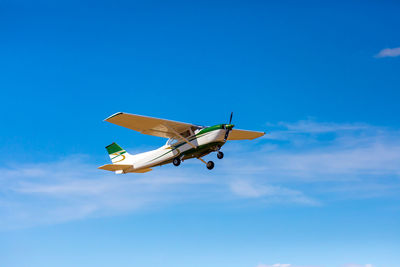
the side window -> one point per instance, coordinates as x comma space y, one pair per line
171, 141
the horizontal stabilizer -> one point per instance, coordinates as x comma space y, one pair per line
122, 168
115, 167
142, 170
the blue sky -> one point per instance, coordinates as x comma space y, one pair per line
320, 189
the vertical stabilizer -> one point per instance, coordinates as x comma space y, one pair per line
117, 154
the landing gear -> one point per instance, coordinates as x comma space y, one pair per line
220, 155
176, 161
210, 165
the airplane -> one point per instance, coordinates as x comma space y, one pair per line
185, 141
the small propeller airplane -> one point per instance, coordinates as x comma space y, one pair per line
185, 141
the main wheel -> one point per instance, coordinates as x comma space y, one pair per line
220, 154
210, 165
176, 161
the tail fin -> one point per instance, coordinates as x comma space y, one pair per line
117, 154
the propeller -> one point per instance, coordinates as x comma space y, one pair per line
228, 127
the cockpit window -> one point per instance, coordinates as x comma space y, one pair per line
186, 134
197, 129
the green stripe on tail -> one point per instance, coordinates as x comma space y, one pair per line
113, 148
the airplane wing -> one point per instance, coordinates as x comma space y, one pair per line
149, 125
236, 134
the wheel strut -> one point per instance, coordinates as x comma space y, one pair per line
210, 164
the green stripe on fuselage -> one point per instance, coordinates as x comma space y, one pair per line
210, 129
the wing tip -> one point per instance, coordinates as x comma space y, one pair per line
113, 115
261, 135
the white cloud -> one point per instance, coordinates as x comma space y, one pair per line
389, 52
310, 126
358, 265
71, 189
249, 189
290, 265
308, 150
335, 160
285, 265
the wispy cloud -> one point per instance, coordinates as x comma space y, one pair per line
389, 52
335, 160
293, 165
357, 265
290, 265
71, 189
248, 189
284, 265
307, 150
310, 126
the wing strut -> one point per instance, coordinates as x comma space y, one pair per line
179, 136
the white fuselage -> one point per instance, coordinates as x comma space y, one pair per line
208, 141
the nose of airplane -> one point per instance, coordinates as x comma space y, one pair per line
229, 126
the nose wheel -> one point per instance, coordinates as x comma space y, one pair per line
220, 155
